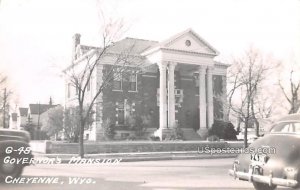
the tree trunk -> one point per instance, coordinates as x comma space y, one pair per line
81, 131
246, 133
254, 118
247, 118
81, 147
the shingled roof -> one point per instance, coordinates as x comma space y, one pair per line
39, 108
84, 49
23, 112
132, 46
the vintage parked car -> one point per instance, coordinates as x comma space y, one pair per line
15, 152
273, 160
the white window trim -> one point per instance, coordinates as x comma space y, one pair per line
117, 90
136, 90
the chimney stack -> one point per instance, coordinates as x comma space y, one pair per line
76, 42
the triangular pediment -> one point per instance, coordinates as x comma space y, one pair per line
188, 41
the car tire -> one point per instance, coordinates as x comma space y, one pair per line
263, 186
13, 170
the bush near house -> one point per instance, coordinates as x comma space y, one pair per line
139, 125
154, 138
109, 129
223, 130
35, 132
142, 123
175, 135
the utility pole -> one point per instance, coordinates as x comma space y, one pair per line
4, 107
38, 124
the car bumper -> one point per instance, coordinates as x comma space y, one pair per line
263, 179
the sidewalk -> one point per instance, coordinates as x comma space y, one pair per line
140, 156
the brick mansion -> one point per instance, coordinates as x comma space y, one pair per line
179, 84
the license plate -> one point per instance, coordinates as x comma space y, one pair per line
259, 158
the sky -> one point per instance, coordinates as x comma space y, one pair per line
36, 35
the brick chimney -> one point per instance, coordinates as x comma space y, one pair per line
76, 42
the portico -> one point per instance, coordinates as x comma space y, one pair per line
167, 100
188, 54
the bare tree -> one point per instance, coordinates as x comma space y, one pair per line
291, 93
71, 123
80, 74
233, 80
4, 100
248, 72
264, 106
2, 79
5, 108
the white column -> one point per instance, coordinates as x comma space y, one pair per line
162, 96
202, 97
171, 96
210, 95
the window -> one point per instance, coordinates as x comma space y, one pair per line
196, 82
218, 84
178, 97
120, 113
117, 83
132, 82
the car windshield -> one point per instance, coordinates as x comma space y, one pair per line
286, 127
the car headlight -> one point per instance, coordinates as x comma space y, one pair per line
291, 172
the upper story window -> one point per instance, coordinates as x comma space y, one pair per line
133, 82
117, 83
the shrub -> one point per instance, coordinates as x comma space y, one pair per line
109, 129
176, 134
223, 130
131, 138
213, 138
139, 125
154, 138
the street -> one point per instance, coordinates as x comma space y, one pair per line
208, 174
